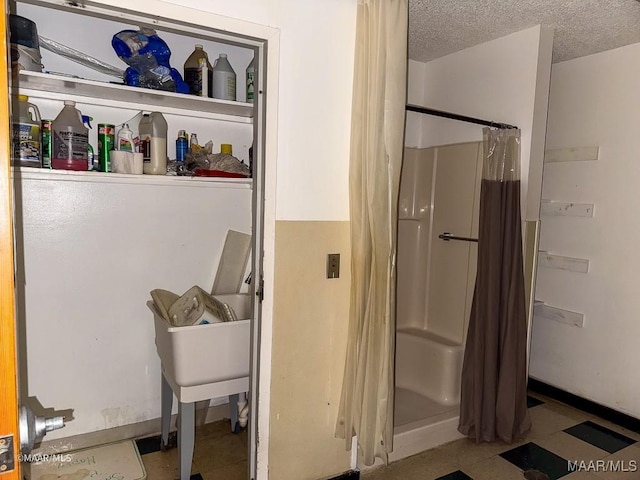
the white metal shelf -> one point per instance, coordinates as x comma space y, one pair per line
59, 87
45, 174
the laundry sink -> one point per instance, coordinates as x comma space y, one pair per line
202, 354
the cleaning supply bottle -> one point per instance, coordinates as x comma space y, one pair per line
224, 79
182, 146
125, 139
70, 139
193, 141
153, 143
26, 134
86, 120
251, 72
198, 71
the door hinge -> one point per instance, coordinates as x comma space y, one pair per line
7, 461
260, 290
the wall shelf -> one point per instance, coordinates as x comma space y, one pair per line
59, 87
45, 174
552, 208
572, 154
572, 264
559, 314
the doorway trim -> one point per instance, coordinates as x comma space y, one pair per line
8, 358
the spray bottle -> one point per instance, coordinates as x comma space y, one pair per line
251, 73
86, 120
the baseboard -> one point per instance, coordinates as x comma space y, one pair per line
134, 430
350, 475
606, 413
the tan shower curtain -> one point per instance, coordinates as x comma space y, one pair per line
494, 380
377, 136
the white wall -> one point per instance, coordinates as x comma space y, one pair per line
414, 127
594, 101
89, 253
505, 80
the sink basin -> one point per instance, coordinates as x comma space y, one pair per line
202, 354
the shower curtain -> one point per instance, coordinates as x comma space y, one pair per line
493, 401
377, 137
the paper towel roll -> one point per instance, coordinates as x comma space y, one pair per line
121, 161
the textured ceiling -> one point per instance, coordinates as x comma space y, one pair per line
581, 27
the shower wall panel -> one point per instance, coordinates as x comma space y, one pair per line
439, 192
455, 201
414, 236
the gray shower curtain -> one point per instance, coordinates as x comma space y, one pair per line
493, 401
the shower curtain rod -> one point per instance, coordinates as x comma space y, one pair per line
455, 116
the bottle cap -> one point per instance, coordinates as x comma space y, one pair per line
199, 46
70, 102
182, 133
223, 55
23, 98
226, 148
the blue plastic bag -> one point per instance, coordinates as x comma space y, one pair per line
148, 58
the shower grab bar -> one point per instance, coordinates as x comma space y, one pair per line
446, 236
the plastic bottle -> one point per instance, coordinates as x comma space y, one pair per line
251, 72
193, 141
125, 139
70, 139
205, 67
194, 72
26, 134
224, 79
153, 141
91, 158
182, 146
46, 145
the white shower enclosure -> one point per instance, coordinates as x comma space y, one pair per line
439, 193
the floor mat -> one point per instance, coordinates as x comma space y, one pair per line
115, 461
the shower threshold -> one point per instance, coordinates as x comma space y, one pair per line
421, 424
411, 407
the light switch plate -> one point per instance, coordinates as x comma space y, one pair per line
333, 265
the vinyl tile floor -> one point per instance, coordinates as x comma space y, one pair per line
219, 454
563, 443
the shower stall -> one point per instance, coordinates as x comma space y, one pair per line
439, 194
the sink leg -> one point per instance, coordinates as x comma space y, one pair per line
233, 412
166, 402
186, 437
